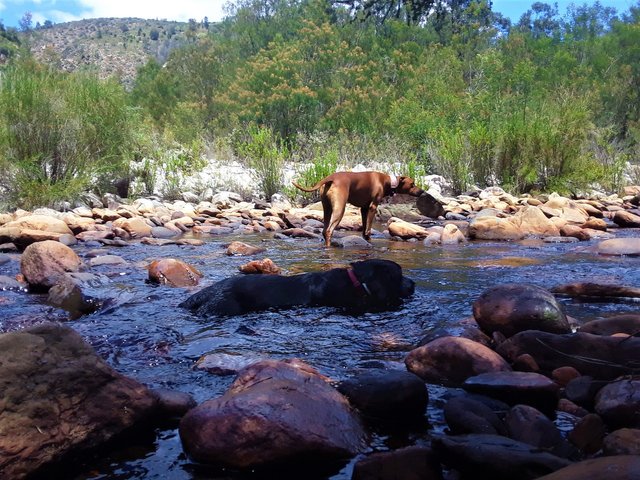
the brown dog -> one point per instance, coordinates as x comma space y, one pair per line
361, 189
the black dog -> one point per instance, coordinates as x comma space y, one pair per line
367, 285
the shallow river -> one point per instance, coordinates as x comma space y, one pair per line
146, 336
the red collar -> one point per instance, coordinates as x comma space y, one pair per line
360, 287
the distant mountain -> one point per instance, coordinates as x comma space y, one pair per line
111, 46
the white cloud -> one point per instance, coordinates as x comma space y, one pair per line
181, 10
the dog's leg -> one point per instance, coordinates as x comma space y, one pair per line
333, 213
368, 214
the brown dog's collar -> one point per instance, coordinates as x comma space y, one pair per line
359, 286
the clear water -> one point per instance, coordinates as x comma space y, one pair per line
146, 336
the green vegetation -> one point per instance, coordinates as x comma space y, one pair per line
548, 103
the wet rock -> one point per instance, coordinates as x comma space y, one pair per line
451, 235
451, 360
494, 228
529, 425
514, 388
9, 283
563, 375
429, 206
223, 363
619, 403
76, 293
588, 433
350, 241
405, 230
299, 233
172, 403
595, 224
465, 414
264, 266
42, 223
622, 467
240, 248
43, 263
495, 457
287, 410
626, 219
532, 221
107, 260
136, 227
387, 395
619, 246
164, 232
626, 323
575, 231
176, 273
595, 355
93, 235
513, 308
80, 403
410, 463
582, 390
596, 290
625, 441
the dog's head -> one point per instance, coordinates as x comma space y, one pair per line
407, 186
386, 286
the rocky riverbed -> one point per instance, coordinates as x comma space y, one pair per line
500, 363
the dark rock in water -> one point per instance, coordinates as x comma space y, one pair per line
172, 403
529, 425
582, 390
596, 291
429, 206
465, 414
622, 467
627, 323
495, 457
595, 355
387, 395
273, 412
80, 402
410, 463
163, 232
513, 308
619, 403
625, 441
516, 388
588, 433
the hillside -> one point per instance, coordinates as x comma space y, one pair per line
113, 46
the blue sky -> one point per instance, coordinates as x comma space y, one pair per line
59, 11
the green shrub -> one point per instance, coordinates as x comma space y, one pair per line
60, 134
265, 153
321, 166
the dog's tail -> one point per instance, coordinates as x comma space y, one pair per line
310, 189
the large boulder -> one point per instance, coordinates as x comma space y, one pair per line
44, 223
532, 221
43, 263
492, 456
59, 397
429, 206
601, 357
621, 467
487, 227
273, 412
512, 308
451, 360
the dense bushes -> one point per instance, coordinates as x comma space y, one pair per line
60, 134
